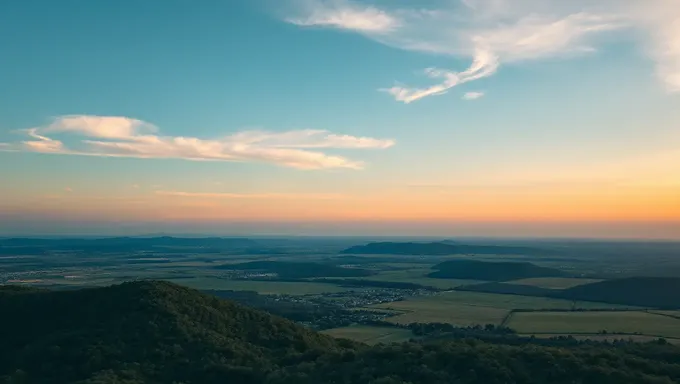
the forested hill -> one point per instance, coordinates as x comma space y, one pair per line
656, 292
147, 331
155, 332
491, 270
440, 249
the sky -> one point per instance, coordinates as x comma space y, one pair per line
508, 118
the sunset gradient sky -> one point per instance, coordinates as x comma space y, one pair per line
335, 117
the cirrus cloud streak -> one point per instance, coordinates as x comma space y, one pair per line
493, 33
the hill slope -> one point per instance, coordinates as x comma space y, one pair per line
658, 292
155, 332
439, 249
491, 270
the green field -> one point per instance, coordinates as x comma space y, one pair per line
263, 287
554, 282
514, 301
419, 276
456, 314
470, 308
594, 322
667, 313
371, 335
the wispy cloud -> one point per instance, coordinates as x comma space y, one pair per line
114, 136
473, 95
485, 64
344, 15
275, 196
492, 33
68, 189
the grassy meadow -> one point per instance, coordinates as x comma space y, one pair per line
554, 282
471, 308
371, 335
594, 322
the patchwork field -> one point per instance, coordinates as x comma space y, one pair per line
419, 276
667, 313
371, 335
471, 308
594, 322
554, 282
456, 314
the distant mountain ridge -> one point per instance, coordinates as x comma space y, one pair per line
440, 249
122, 244
136, 241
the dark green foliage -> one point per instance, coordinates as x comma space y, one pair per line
472, 361
441, 249
508, 289
155, 332
147, 331
491, 270
285, 269
658, 292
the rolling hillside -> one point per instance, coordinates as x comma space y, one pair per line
157, 332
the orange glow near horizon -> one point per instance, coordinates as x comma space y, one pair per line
552, 204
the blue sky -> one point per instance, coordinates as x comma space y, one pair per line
347, 110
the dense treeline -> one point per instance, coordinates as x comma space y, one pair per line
473, 361
657, 292
491, 270
147, 331
154, 332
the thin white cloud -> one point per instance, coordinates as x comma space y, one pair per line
473, 95
344, 15
492, 33
660, 19
124, 137
68, 189
485, 64
222, 195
